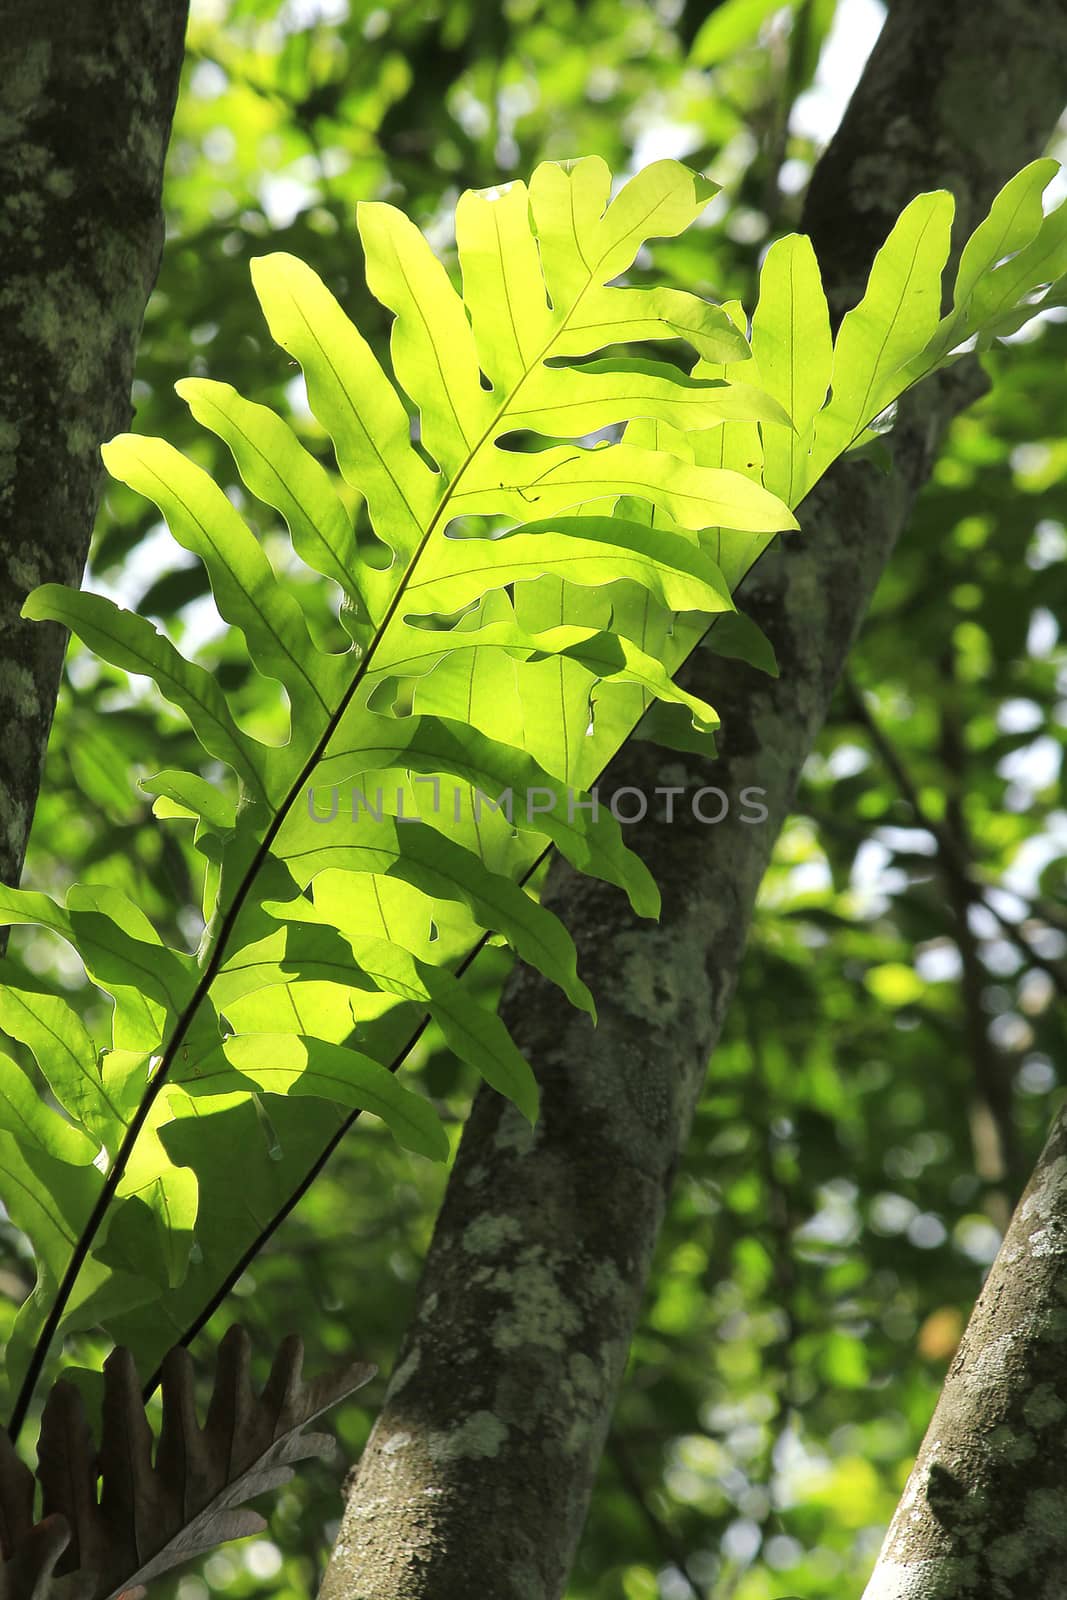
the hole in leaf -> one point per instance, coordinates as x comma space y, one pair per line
374, 551
415, 435
268, 1130
439, 621
383, 695
472, 527
675, 351
524, 442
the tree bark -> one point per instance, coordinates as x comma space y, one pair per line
984, 1513
87, 95
478, 1473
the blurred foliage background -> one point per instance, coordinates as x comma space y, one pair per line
890, 1063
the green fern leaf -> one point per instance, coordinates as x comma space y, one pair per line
584, 573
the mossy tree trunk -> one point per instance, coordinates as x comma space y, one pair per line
87, 93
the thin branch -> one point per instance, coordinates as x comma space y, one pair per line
996, 1145
780, 1216
666, 1540
997, 1155
949, 846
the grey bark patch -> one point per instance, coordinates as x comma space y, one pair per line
479, 1438
489, 1234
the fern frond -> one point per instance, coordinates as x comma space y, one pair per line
513, 614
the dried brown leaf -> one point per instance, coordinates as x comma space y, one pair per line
150, 1516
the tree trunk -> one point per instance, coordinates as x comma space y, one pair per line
478, 1473
984, 1513
87, 94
